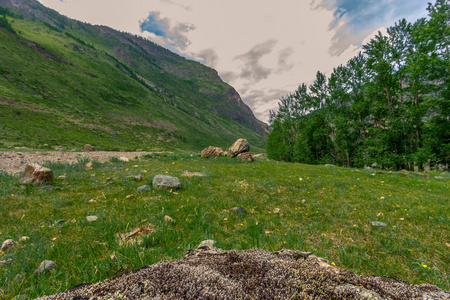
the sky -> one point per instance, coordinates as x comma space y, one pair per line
263, 48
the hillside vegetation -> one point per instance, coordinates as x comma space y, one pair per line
388, 106
329, 211
64, 82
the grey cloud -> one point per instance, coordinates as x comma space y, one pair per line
185, 7
263, 101
209, 57
252, 68
283, 60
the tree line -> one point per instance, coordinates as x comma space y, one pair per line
389, 105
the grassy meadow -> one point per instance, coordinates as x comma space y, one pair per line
325, 210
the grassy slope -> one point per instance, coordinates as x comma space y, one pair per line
70, 93
333, 221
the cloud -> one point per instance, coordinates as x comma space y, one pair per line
164, 32
185, 7
354, 20
251, 67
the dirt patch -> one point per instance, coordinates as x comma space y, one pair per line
14, 162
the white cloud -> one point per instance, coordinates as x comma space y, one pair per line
263, 48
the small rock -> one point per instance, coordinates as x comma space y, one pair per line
91, 218
375, 223
144, 188
92, 201
168, 219
245, 156
62, 177
211, 151
192, 174
36, 174
124, 159
329, 165
276, 210
166, 182
46, 187
129, 196
241, 210
124, 180
207, 243
6, 262
88, 147
8, 244
24, 238
99, 244
46, 265
88, 165
138, 177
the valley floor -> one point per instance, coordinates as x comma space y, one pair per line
14, 162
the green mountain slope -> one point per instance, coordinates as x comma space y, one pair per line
64, 82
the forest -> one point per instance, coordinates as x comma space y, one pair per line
388, 107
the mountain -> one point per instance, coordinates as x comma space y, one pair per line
65, 82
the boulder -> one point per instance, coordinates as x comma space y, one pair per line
245, 156
164, 182
211, 151
207, 273
241, 145
7, 244
46, 265
88, 147
36, 174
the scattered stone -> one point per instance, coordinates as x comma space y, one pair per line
207, 243
329, 165
124, 159
36, 174
276, 210
60, 148
376, 223
249, 274
99, 244
63, 177
8, 244
92, 201
46, 187
124, 180
91, 218
245, 156
421, 175
88, 147
138, 177
241, 210
129, 196
134, 236
24, 239
166, 182
402, 219
6, 262
192, 174
143, 188
211, 151
168, 219
89, 165
240, 146
46, 265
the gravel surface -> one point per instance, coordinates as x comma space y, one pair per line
13, 162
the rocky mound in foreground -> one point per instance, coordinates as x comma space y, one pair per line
251, 274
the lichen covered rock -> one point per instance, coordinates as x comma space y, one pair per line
251, 274
211, 151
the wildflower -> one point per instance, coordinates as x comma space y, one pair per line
333, 263
424, 265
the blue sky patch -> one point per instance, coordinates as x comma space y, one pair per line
154, 24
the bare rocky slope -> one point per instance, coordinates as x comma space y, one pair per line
251, 274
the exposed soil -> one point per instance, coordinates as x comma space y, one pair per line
13, 162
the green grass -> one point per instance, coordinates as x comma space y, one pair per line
333, 221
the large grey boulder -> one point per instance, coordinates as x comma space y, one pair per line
207, 273
240, 146
164, 182
36, 174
